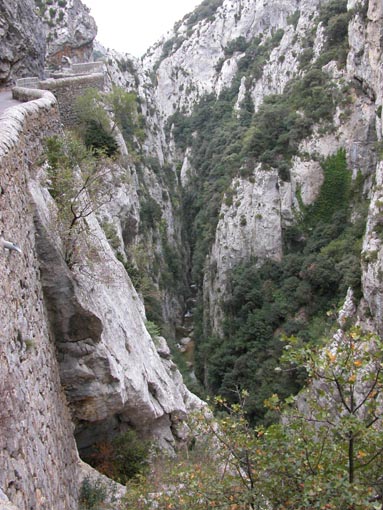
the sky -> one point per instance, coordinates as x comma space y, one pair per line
133, 25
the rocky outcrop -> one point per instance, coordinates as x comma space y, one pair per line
194, 58
81, 329
249, 226
22, 41
365, 64
372, 254
364, 61
70, 31
109, 364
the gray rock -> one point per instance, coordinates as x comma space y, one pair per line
22, 41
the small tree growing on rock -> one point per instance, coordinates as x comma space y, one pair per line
79, 181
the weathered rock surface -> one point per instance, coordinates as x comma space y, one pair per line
365, 64
250, 226
22, 41
372, 254
91, 318
109, 364
192, 61
70, 31
188, 66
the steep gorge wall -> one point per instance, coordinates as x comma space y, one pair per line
83, 329
245, 220
38, 452
365, 64
22, 41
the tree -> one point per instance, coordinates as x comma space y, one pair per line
342, 404
325, 453
79, 181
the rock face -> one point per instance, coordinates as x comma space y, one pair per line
365, 64
83, 329
70, 31
203, 54
372, 254
250, 226
192, 61
109, 364
22, 41
150, 185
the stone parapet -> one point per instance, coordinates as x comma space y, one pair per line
39, 115
32, 82
67, 90
87, 68
38, 456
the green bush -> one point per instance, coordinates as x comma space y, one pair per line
92, 494
97, 138
152, 328
335, 192
205, 10
130, 455
150, 213
125, 457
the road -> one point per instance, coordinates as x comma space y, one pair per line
6, 99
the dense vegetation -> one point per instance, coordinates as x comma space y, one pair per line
226, 142
271, 299
325, 456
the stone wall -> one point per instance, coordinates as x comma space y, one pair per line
38, 456
66, 90
87, 67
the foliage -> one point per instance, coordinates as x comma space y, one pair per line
150, 213
111, 234
95, 137
125, 109
335, 192
89, 108
284, 120
291, 296
77, 182
92, 494
125, 457
294, 18
152, 328
325, 453
225, 144
205, 10
97, 112
343, 413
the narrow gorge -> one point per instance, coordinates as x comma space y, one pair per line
179, 216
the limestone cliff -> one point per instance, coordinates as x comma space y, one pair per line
77, 362
207, 52
113, 373
365, 64
70, 30
22, 41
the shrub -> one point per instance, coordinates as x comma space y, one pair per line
92, 494
152, 328
96, 137
76, 181
125, 457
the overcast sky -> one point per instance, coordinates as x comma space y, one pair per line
134, 25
